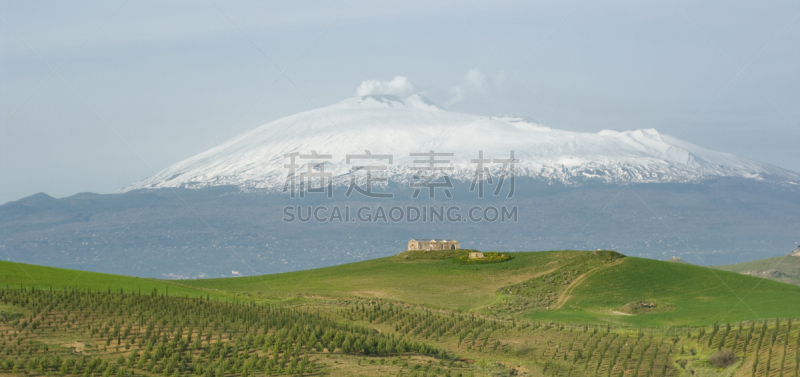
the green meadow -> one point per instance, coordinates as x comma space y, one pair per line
41, 277
434, 280
687, 295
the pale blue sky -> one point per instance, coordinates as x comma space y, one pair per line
168, 79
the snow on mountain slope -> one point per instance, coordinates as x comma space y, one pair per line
388, 125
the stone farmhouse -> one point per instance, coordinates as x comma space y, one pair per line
796, 253
432, 244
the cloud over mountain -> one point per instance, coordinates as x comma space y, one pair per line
399, 86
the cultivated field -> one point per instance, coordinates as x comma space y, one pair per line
560, 313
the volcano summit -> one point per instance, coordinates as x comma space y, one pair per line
388, 125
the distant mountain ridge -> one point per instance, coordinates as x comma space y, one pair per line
785, 269
388, 125
211, 231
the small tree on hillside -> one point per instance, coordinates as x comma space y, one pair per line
722, 358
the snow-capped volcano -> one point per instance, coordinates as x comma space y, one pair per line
388, 125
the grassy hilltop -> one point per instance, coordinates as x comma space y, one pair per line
683, 294
41, 277
562, 286
688, 295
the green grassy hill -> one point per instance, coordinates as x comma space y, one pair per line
683, 294
555, 313
562, 286
431, 279
41, 277
785, 269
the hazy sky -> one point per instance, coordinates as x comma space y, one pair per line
140, 85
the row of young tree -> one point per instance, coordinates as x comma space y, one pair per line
768, 347
157, 334
559, 349
764, 348
131, 333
